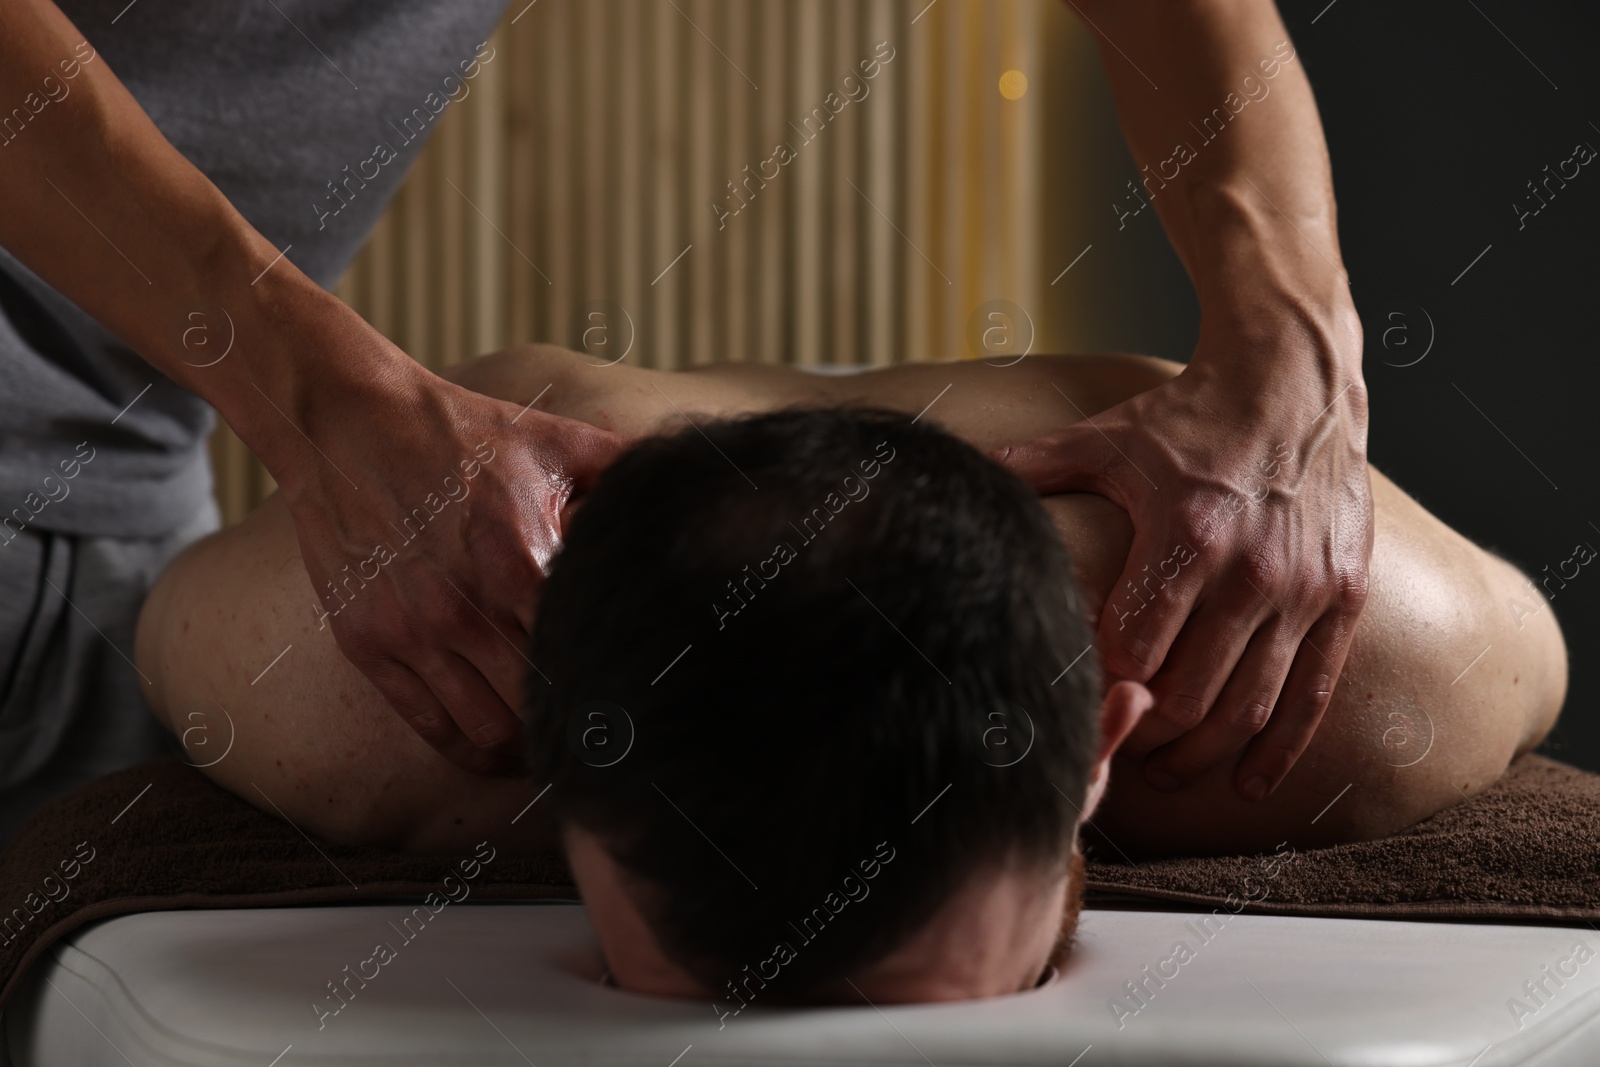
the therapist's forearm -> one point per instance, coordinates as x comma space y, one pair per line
95, 201
1247, 200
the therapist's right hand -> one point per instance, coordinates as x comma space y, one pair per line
427, 529
105, 210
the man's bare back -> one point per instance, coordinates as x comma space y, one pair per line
1445, 684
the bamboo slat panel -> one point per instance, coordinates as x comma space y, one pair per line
589, 162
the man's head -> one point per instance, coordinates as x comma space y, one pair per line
806, 716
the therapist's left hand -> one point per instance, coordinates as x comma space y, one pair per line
1246, 481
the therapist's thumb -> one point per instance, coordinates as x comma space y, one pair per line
1074, 459
588, 451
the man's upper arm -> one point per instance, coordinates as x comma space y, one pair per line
242, 666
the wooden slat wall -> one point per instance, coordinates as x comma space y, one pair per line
591, 148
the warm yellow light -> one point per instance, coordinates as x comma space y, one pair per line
1013, 83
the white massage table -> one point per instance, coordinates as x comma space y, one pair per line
515, 984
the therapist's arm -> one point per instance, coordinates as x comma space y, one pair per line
1246, 475
97, 203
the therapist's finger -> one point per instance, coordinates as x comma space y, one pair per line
1151, 601
471, 702
1306, 695
496, 648
1202, 659
1241, 711
1075, 459
425, 714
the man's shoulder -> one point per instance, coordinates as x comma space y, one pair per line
508, 373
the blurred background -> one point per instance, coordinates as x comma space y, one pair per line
591, 191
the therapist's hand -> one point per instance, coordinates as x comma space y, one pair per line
103, 208
1252, 514
467, 492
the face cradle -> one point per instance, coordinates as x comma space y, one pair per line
997, 934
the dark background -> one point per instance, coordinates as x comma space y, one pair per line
1435, 123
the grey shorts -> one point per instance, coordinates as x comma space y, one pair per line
71, 700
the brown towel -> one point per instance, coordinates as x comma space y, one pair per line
186, 843
1525, 849
160, 836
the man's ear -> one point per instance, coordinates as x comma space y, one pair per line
1120, 711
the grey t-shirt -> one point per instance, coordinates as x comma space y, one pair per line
273, 100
